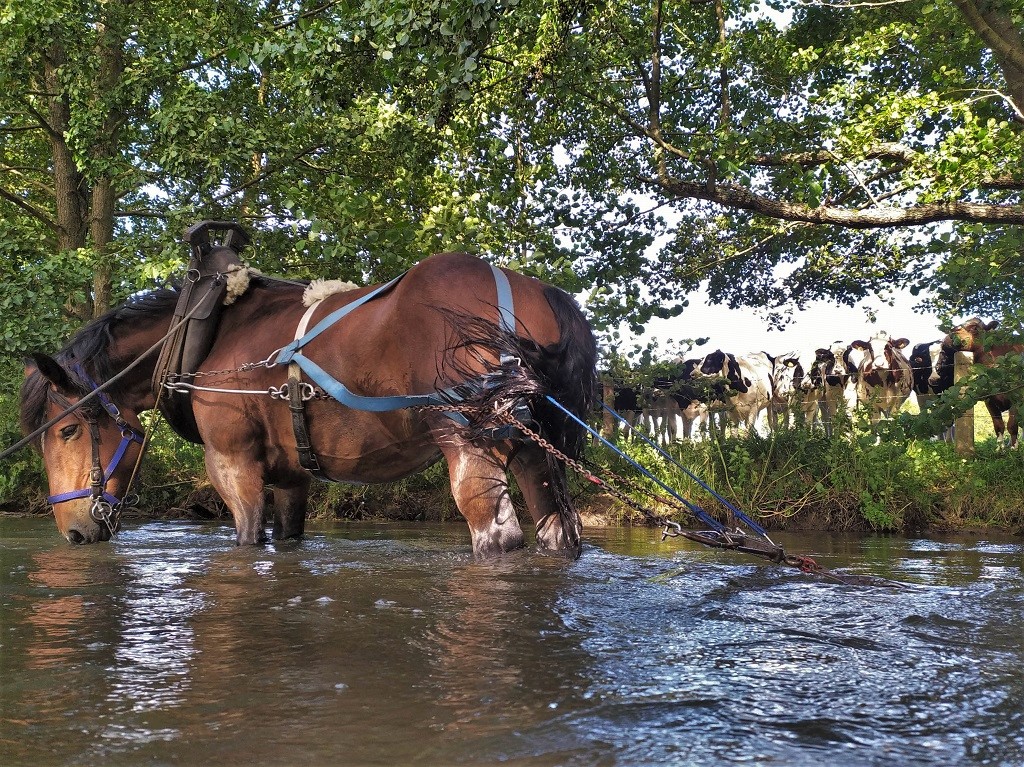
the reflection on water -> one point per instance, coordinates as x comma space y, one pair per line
390, 645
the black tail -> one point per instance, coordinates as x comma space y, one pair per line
568, 373
565, 371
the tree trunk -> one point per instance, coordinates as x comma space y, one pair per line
993, 23
68, 181
110, 49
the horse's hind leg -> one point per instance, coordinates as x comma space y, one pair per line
290, 503
480, 487
240, 484
544, 489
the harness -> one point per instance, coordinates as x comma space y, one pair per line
298, 363
106, 507
195, 318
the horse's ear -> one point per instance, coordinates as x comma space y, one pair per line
54, 372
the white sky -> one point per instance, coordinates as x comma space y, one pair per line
741, 330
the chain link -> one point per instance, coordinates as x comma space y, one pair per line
670, 529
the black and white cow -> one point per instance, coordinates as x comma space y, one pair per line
835, 374
625, 401
796, 390
674, 398
932, 368
748, 384
884, 379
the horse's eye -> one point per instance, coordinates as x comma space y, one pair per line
71, 431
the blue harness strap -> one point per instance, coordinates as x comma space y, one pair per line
506, 309
338, 391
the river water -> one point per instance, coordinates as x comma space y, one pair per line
389, 645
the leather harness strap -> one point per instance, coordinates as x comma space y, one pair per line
307, 458
299, 364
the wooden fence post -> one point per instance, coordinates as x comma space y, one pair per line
963, 429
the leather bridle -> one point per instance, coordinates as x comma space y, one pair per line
106, 507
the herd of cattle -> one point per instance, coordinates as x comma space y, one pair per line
808, 388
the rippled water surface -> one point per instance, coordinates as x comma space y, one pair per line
389, 645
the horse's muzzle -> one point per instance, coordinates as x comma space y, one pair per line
94, 534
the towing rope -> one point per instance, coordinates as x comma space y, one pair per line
719, 536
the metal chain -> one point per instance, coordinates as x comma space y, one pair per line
245, 367
724, 540
670, 529
308, 391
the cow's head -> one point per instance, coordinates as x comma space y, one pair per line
834, 366
922, 365
966, 337
941, 377
880, 365
720, 364
787, 376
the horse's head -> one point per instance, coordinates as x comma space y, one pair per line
89, 453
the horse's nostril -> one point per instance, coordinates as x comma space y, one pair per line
75, 537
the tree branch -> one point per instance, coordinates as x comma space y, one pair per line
30, 209
268, 171
734, 196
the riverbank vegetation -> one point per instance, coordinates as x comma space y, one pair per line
632, 153
793, 478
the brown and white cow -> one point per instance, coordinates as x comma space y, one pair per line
884, 379
970, 337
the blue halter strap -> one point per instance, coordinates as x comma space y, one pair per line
129, 434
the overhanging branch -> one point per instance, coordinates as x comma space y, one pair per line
733, 196
30, 209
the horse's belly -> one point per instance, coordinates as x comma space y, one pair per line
376, 468
366, 453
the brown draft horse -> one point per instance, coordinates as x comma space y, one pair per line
970, 337
435, 328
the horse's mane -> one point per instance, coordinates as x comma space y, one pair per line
91, 345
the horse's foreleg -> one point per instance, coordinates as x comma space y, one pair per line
240, 484
544, 489
480, 487
290, 504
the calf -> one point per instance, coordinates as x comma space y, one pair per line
884, 380
969, 337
